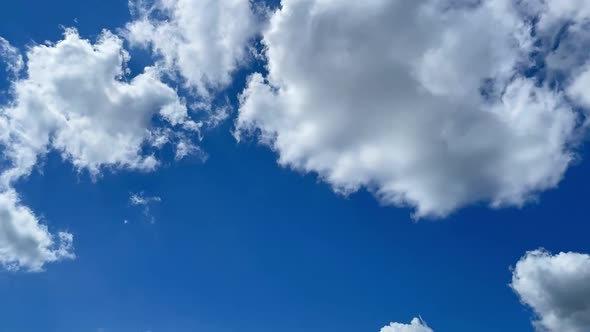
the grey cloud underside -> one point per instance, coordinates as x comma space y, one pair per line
425, 103
557, 288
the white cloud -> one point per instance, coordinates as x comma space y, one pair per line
557, 288
416, 325
564, 26
77, 100
203, 40
26, 243
185, 149
141, 199
11, 57
422, 102
145, 202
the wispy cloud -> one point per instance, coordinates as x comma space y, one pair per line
145, 202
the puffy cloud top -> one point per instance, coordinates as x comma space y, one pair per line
203, 40
74, 100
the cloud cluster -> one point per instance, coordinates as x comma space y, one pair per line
202, 40
557, 288
434, 104
77, 100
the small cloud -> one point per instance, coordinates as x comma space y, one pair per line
416, 325
25, 241
11, 57
185, 149
556, 288
139, 199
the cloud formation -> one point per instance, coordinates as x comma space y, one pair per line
11, 57
76, 99
416, 325
557, 288
26, 243
143, 201
434, 104
202, 40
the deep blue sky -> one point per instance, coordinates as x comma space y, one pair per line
240, 244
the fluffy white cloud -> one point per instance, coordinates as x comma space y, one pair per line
25, 243
416, 325
76, 100
203, 40
425, 103
557, 288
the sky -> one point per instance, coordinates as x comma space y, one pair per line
302, 165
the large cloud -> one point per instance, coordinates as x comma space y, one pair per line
416, 325
434, 104
557, 288
24, 241
203, 40
77, 100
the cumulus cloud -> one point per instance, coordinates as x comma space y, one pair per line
76, 100
202, 40
557, 288
26, 243
416, 325
434, 104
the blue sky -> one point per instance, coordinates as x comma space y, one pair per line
239, 243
